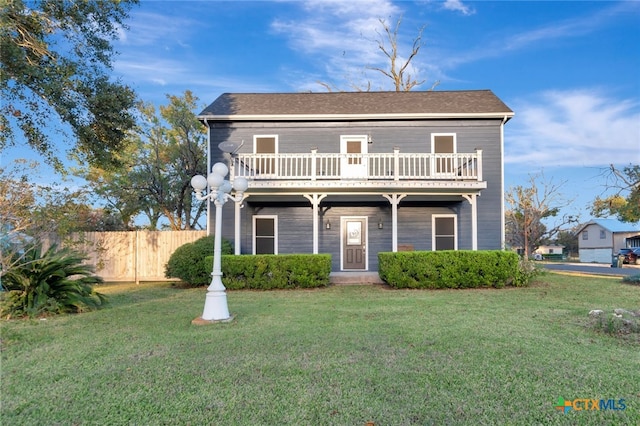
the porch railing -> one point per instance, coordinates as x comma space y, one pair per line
372, 166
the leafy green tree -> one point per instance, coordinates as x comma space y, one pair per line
56, 64
31, 212
568, 239
168, 148
50, 282
625, 203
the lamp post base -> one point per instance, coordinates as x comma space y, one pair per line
201, 321
215, 305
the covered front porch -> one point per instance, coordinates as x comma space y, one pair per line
354, 227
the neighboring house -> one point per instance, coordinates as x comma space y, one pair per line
600, 239
553, 249
354, 174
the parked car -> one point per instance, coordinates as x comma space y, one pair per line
631, 255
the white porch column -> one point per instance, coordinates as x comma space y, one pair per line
315, 199
236, 224
472, 199
394, 200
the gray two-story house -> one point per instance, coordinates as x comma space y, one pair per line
354, 174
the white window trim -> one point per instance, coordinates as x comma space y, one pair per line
345, 138
343, 220
361, 169
277, 148
433, 229
275, 231
433, 141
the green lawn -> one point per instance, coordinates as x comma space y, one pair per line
343, 355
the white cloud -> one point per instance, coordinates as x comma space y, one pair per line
514, 41
144, 68
342, 36
155, 29
574, 128
458, 6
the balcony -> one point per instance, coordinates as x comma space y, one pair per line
372, 167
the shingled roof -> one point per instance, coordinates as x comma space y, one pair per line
246, 106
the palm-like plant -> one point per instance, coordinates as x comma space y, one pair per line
52, 282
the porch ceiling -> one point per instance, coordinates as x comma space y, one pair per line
354, 199
365, 187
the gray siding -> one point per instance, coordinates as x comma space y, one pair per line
295, 224
414, 220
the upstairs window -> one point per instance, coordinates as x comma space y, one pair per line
265, 144
585, 235
443, 143
603, 234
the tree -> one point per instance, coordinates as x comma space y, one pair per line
568, 239
56, 59
625, 203
31, 212
399, 69
527, 207
167, 149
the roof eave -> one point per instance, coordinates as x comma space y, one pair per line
343, 117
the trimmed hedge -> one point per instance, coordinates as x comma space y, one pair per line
186, 262
452, 269
269, 271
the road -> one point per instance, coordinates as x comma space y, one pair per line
596, 269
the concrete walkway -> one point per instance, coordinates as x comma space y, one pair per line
364, 277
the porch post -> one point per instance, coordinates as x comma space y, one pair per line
394, 200
472, 198
479, 168
236, 224
315, 199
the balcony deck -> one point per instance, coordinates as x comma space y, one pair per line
373, 170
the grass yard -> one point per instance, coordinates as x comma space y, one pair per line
343, 355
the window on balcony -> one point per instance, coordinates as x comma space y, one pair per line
443, 143
353, 164
265, 144
265, 235
444, 228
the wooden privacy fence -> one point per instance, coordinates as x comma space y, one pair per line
133, 255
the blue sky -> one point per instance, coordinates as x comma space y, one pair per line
569, 70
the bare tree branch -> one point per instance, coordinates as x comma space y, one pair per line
398, 71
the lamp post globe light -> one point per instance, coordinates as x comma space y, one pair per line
215, 305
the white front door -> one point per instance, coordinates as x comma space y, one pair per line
353, 163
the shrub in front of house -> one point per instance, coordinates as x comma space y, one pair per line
186, 262
453, 269
47, 282
632, 279
269, 272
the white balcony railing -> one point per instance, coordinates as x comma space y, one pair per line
378, 166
